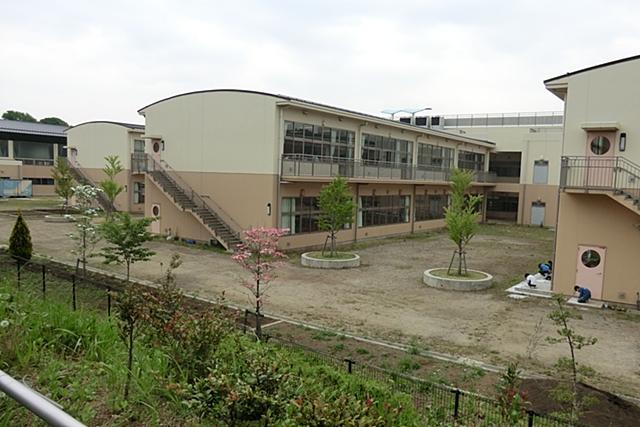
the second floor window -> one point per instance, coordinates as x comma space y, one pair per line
432, 156
302, 139
470, 161
377, 148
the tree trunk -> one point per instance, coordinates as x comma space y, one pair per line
258, 320
333, 244
128, 270
459, 260
129, 363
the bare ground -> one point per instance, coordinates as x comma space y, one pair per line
385, 298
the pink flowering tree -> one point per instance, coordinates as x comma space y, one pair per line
259, 255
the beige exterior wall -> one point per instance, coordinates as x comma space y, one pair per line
223, 132
124, 200
96, 140
608, 94
598, 220
527, 195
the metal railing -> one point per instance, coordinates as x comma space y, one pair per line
601, 173
83, 178
44, 408
149, 164
302, 165
546, 118
35, 162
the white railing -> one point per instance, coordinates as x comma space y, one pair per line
541, 118
44, 408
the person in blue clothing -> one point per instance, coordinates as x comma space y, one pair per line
584, 294
545, 269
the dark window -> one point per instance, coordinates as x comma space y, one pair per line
32, 150
405, 119
41, 181
470, 160
421, 121
300, 214
432, 156
430, 206
317, 141
138, 192
383, 210
4, 148
376, 148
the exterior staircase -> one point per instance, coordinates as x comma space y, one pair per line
219, 224
616, 177
80, 176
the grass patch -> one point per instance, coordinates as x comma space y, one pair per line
336, 256
471, 275
34, 203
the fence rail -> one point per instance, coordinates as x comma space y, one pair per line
457, 405
303, 165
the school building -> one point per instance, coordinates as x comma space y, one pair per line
598, 233
28, 151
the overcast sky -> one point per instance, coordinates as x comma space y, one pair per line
87, 60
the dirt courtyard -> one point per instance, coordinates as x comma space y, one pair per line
386, 299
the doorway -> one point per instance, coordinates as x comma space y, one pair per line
537, 213
600, 159
590, 269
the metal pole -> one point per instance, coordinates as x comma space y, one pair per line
109, 302
349, 365
73, 291
530, 416
44, 280
456, 405
36, 403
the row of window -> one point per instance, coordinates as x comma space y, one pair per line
28, 149
300, 214
41, 181
470, 160
435, 157
313, 140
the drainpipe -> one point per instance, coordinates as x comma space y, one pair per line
355, 223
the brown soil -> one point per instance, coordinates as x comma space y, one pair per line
605, 409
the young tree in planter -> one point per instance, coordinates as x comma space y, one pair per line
86, 237
259, 255
126, 237
337, 208
461, 217
561, 317
130, 310
109, 185
20, 245
63, 178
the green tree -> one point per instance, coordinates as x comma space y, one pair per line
63, 178
461, 217
54, 121
562, 317
18, 116
336, 209
109, 185
20, 245
126, 237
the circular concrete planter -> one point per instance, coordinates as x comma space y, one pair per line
457, 284
329, 264
59, 218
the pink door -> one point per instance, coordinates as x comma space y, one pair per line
600, 159
590, 269
155, 214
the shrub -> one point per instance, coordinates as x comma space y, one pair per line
20, 245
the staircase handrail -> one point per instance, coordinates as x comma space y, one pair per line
104, 201
194, 196
617, 162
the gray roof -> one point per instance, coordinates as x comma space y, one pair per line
127, 125
28, 128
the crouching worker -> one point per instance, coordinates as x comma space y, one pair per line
545, 269
530, 279
584, 294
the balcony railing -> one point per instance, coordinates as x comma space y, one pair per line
601, 173
299, 165
35, 162
546, 118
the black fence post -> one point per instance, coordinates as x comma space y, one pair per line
44, 281
73, 290
349, 365
530, 416
456, 404
109, 302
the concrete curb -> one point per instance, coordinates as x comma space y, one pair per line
451, 284
330, 264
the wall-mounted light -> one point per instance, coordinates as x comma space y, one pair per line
268, 209
623, 141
